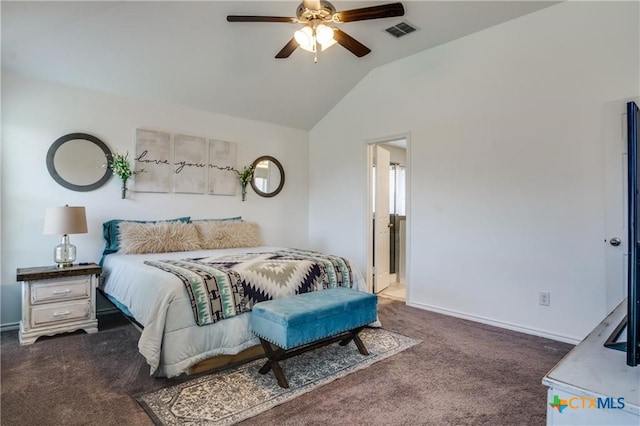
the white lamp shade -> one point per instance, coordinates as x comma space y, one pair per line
65, 220
327, 44
305, 38
324, 34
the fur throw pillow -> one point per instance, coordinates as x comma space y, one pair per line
218, 235
160, 237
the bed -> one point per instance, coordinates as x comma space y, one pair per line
171, 341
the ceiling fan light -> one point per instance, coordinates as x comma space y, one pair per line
328, 44
324, 34
304, 37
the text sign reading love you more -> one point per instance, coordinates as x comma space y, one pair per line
195, 165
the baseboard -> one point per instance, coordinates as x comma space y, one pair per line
483, 320
501, 324
10, 326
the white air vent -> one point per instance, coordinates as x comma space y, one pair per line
401, 29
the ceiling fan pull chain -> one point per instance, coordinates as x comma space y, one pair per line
315, 49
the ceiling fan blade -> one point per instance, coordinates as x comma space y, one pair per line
350, 43
288, 49
245, 18
312, 4
374, 12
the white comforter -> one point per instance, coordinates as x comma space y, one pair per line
171, 341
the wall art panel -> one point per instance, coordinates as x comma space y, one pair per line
153, 154
223, 179
190, 164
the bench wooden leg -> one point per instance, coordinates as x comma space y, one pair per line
272, 363
353, 335
279, 354
363, 350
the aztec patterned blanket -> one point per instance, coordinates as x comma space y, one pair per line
226, 286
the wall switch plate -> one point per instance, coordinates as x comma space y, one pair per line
544, 298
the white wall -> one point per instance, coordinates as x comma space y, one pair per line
36, 113
506, 165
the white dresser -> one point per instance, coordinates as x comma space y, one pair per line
57, 300
592, 385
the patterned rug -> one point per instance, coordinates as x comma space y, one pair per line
230, 396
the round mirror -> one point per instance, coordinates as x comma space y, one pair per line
78, 161
268, 176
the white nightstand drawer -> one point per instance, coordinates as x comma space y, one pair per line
47, 314
48, 291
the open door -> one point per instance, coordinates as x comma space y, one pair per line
381, 246
616, 213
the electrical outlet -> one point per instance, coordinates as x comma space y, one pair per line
544, 298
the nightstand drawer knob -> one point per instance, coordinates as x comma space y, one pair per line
62, 292
61, 314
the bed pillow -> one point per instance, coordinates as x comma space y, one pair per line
110, 232
160, 237
229, 234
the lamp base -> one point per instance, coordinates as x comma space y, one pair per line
65, 253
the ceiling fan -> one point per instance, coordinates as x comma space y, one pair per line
317, 17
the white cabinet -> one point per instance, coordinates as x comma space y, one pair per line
592, 385
57, 300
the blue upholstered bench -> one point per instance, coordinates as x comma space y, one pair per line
306, 321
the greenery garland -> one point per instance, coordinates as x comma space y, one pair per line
121, 166
245, 175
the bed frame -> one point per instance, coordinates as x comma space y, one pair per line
224, 361
217, 362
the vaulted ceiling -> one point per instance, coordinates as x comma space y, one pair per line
186, 53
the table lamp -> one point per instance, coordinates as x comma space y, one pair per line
65, 220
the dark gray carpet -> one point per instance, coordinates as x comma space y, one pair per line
462, 373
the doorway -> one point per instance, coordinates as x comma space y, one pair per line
387, 218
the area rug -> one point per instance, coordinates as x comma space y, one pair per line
228, 397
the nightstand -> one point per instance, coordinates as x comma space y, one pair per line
57, 300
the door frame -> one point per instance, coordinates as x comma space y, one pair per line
368, 208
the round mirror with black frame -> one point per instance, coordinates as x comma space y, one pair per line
79, 162
268, 176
